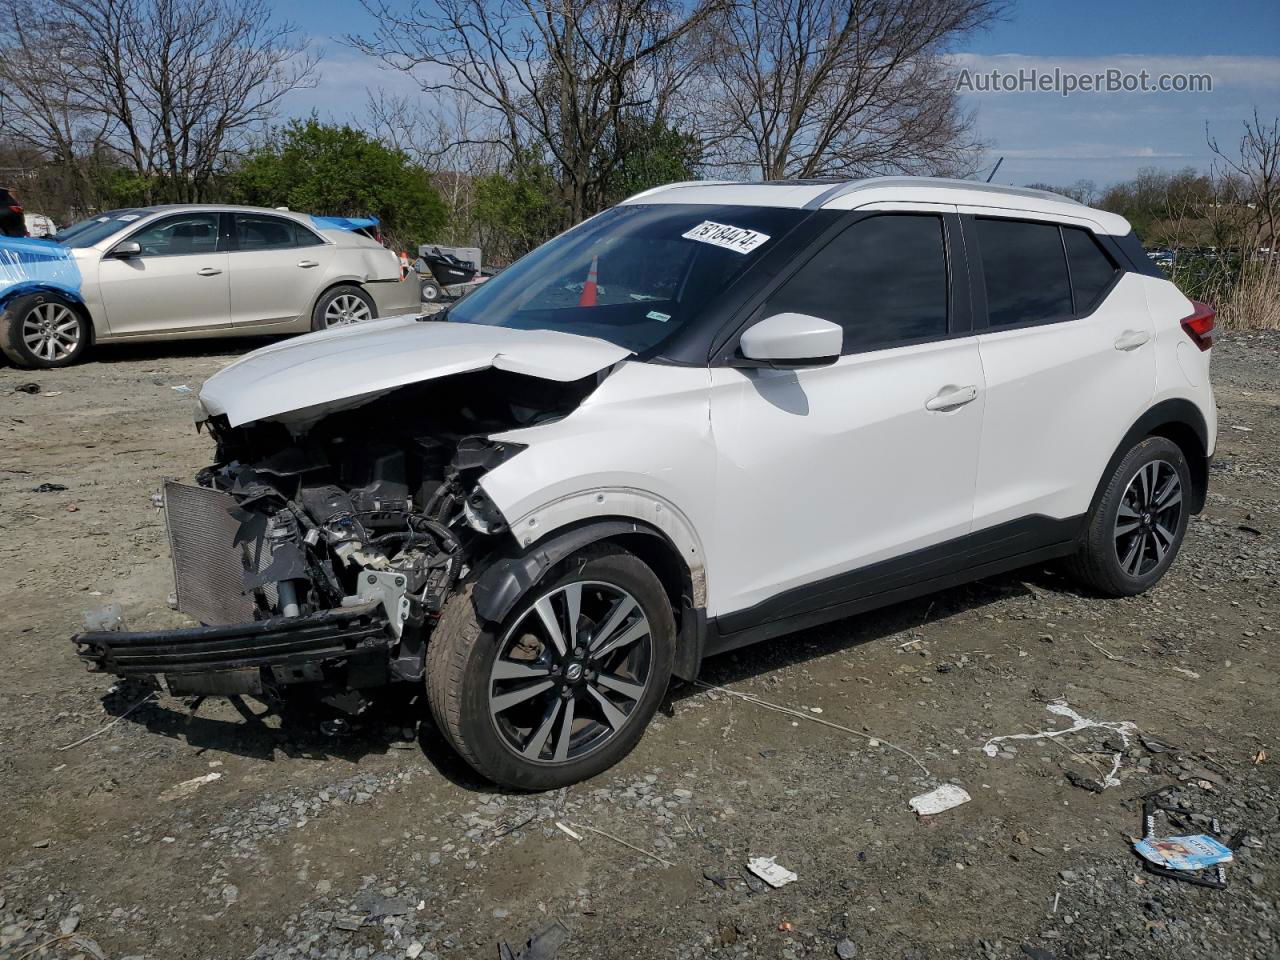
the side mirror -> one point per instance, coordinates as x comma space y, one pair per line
793, 340
127, 249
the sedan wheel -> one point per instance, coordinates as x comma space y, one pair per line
52, 332
345, 309
570, 672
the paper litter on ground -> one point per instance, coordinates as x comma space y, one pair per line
1183, 853
936, 801
768, 870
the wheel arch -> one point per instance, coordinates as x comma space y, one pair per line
1180, 421
332, 284
505, 579
72, 298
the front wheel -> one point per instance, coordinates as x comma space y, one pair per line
565, 687
1136, 527
343, 305
43, 331
431, 291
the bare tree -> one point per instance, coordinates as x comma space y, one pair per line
172, 86
811, 88
553, 77
1256, 166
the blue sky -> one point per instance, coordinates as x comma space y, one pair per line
1043, 136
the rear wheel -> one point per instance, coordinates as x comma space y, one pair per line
342, 306
43, 331
565, 687
431, 292
1138, 524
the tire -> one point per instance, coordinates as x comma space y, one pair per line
341, 306
1126, 554
44, 331
463, 656
431, 292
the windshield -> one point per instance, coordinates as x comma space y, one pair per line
88, 232
632, 275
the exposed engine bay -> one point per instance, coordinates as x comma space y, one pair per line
336, 539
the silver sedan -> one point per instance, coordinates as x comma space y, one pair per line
181, 272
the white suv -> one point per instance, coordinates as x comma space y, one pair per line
714, 414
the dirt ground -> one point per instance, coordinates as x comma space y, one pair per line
302, 841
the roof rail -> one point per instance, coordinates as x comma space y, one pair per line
853, 186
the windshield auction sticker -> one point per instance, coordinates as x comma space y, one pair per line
737, 239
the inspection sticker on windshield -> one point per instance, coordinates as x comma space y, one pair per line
737, 239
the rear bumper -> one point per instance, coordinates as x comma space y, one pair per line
394, 298
294, 649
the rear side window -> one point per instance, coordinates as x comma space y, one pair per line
884, 280
1025, 271
1091, 269
257, 232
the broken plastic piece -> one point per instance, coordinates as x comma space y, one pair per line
936, 801
1198, 852
767, 869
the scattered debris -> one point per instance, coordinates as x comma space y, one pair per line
1185, 672
104, 618
1245, 528
52, 393
181, 388
31, 388
49, 488
1186, 857
103, 729
187, 787
1153, 745
846, 949
767, 869
632, 846
1260, 757
943, 798
1183, 853
871, 741
1123, 728
543, 945
565, 830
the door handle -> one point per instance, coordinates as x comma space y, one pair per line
951, 398
308, 263
1132, 339
208, 271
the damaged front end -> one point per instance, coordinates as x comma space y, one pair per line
319, 549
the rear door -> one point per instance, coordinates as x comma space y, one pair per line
277, 269
177, 283
1068, 358
825, 471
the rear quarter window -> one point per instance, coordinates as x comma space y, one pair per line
1092, 270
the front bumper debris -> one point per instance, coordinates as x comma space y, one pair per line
291, 649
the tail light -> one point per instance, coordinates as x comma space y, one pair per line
1199, 326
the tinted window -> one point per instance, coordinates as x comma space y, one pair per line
632, 275
185, 233
1025, 270
884, 280
1091, 269
255, 232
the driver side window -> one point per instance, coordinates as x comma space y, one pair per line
884, 280
181, 235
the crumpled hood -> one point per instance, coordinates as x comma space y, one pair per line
318, 371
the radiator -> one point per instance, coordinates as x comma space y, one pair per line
208, 565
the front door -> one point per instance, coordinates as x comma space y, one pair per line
177, 283
824, 472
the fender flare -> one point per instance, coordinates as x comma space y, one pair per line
25, 289
506, 578
1176, 412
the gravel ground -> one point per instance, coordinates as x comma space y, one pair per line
181, 832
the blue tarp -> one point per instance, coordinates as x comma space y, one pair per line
30, 264
344, 223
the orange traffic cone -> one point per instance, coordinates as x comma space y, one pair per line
404, 264
588, 298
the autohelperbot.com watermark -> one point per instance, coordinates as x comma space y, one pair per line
1066, 82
